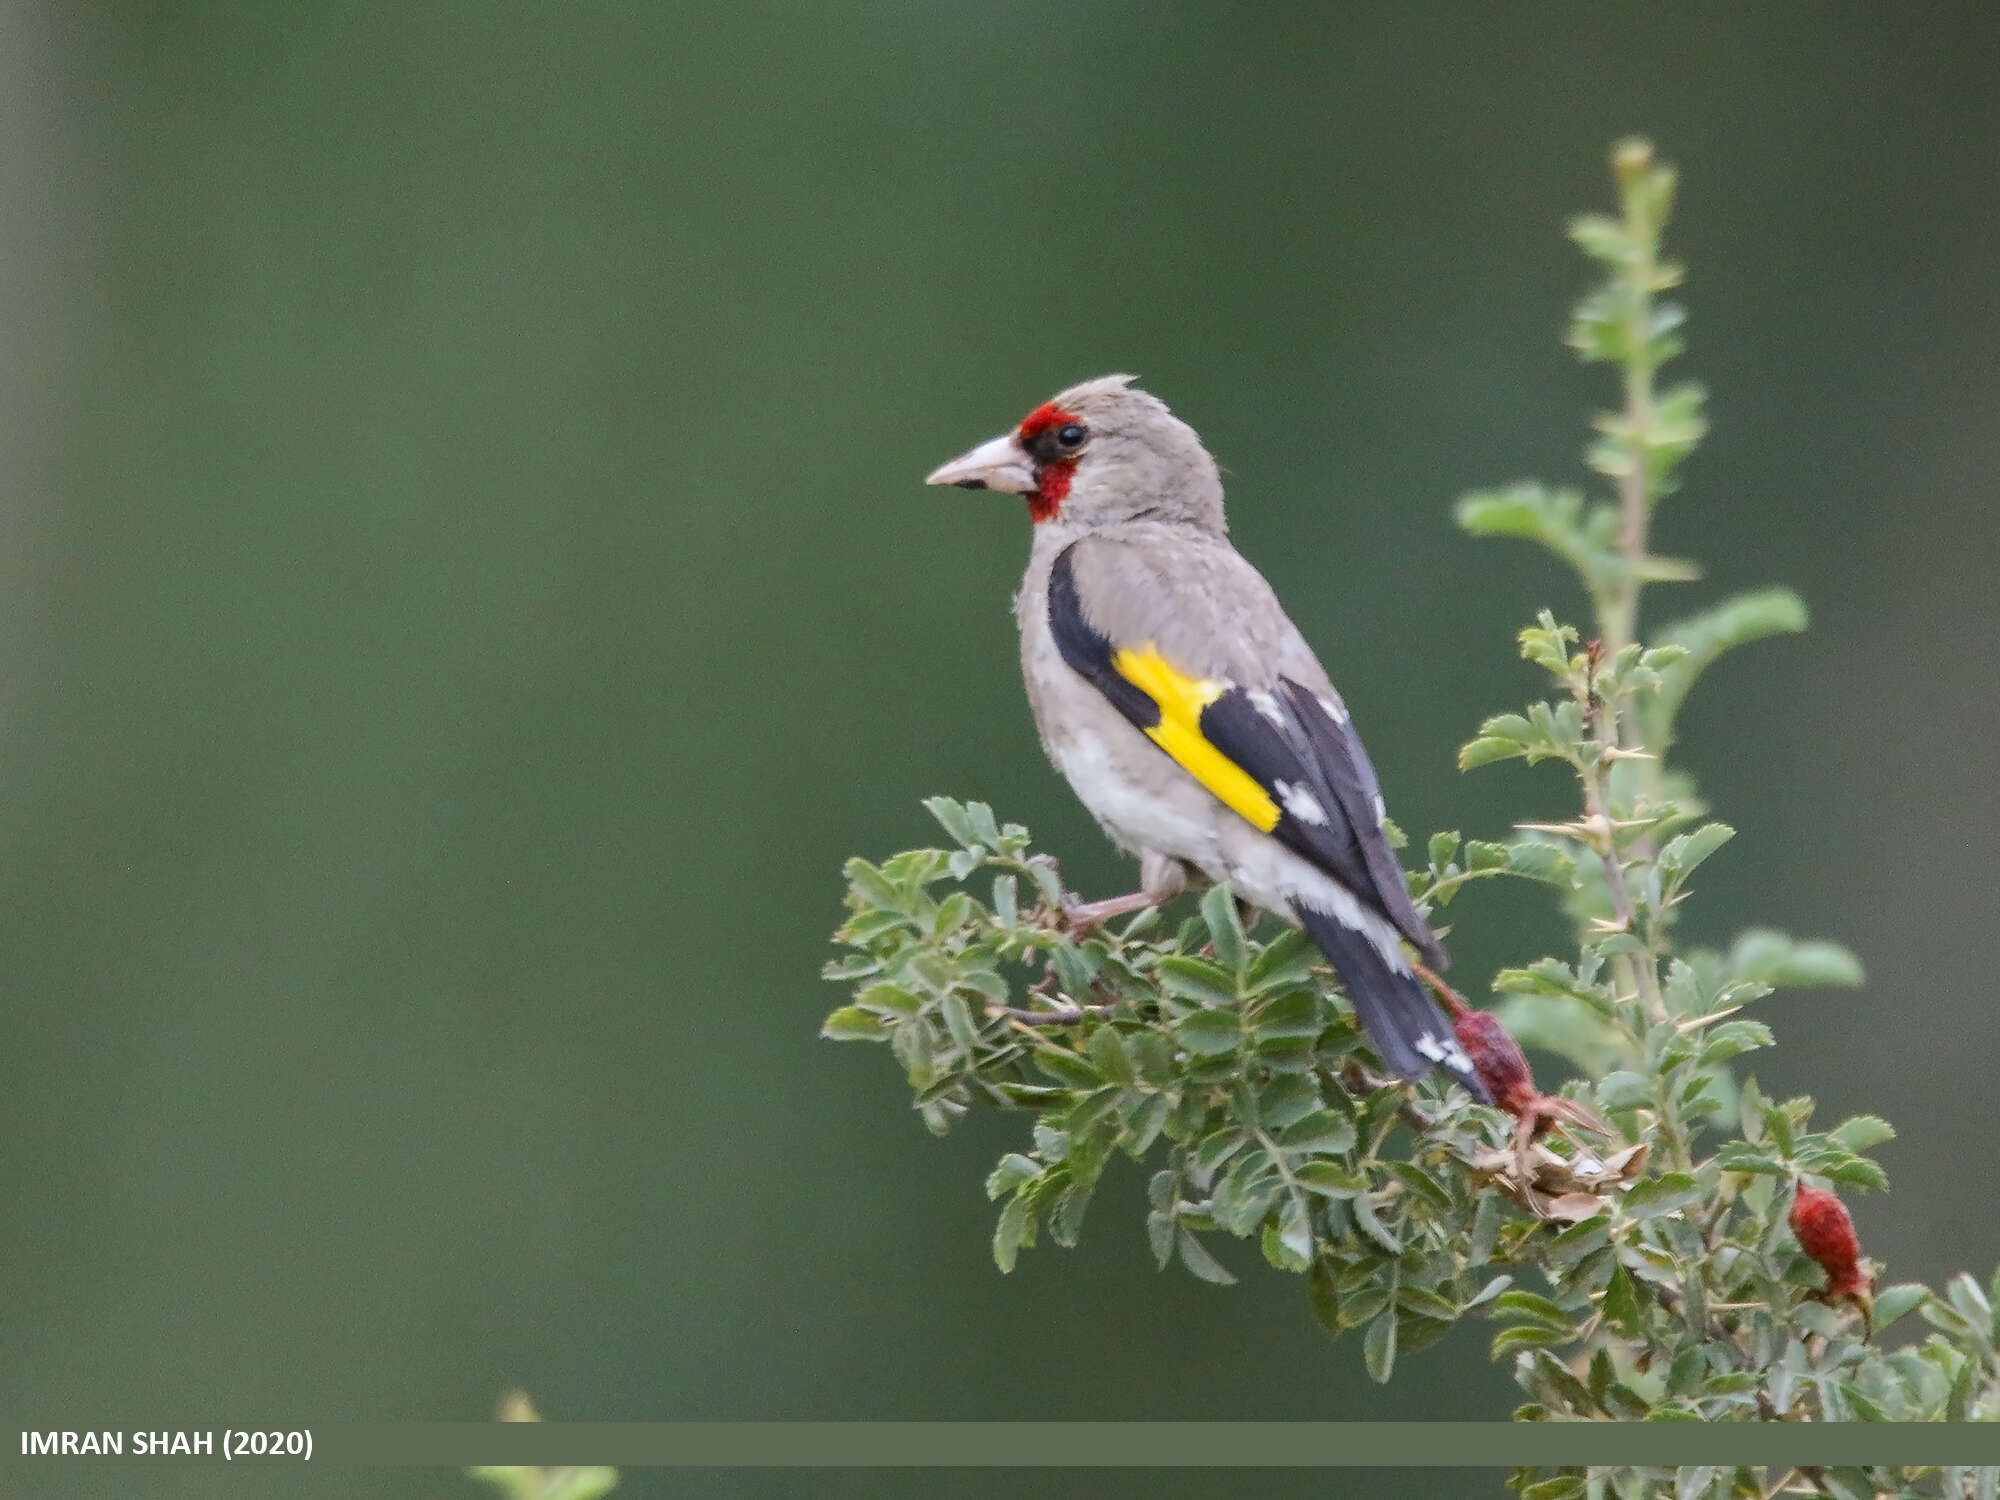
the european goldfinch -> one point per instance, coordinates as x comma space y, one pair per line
1186, 710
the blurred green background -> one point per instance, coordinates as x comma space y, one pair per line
467, 586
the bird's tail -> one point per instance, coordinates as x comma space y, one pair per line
1397, 1013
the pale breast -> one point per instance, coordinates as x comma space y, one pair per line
1140, 797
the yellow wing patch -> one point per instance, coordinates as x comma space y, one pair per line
1181, 699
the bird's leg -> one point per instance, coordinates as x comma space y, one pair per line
1161, 878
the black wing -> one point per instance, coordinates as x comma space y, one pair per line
1307, 755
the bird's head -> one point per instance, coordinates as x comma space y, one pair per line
1098, 454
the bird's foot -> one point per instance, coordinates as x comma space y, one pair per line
1081, 918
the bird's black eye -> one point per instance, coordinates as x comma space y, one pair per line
1072, 434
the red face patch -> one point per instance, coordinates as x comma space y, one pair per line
1052, 476
1042, 418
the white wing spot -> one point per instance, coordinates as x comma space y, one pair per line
1266, 705
1300, 803
1450, 1054
1381, 809
1335, 709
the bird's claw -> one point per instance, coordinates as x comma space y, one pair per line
1079, 920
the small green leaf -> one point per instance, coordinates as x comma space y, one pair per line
1006, 901
1066, 1219
1196, 980
1421, 1184
1143, 1125
1546, 1376
1897, 1301
1363, 1208
1527, 1336
1013, 1170
1378, 1348
1208, 1033
1685, 851
890, 997
589, 1482
1225, 931
1741, 1156
1160, 1236
1969, 1298
1508, 727
984, 829
1622, 1307
1286, 1100
1195, 1256
1009, 1233
951, 817
1287, 961
1329, 1179
1731, 1039
1323, 1294
872, 886
1687, 1369
1075, 968
1858, 1172
1048, 885
1524, 1306
1422, 1302
1666, 1194
1294, 1235
958, 1021
853, 966
985, 983
1624, 1090
1784, 963
1296, 1013
1858, 1402
912, 1042
1488, 1292
1487, 751
1538, 859
1066, 1068
1602, 238
1862, 1132
853, 1024
1217, 1147
1321, 1131
1091, 1111
1110, 1057
1584, 1238
1486, 1221
1028, 1095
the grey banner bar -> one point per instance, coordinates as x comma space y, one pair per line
1156, 1444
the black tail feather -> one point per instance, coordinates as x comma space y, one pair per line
1399, 1016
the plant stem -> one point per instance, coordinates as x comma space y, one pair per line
1633, 161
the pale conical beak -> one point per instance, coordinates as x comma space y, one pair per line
1001, 464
